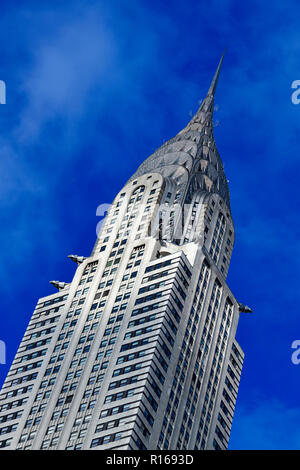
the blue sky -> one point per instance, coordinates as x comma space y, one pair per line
93, 88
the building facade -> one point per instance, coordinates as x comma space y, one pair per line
138, 351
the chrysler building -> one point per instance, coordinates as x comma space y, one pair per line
138, 351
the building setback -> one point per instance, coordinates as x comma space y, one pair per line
139, 350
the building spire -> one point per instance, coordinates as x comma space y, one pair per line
213, 85
207, 104
199, 133
205, 112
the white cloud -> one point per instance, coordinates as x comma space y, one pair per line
269, 425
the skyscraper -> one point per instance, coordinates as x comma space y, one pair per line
138, 351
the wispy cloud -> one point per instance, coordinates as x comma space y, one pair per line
268, 425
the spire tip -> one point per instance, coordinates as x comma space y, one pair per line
213, 86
